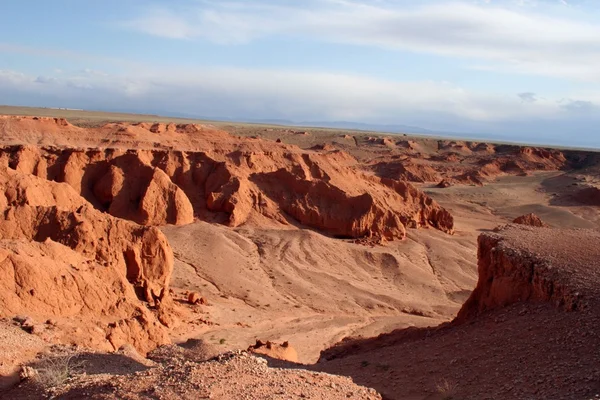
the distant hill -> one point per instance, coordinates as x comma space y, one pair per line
340, 125
367, 127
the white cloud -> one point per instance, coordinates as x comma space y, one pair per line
301, 96
8, 77
292, 95
519, 38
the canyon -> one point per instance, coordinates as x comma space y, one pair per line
407, 267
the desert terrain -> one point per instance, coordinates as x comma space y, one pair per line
143, 257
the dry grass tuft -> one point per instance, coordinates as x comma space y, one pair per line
55, 371
446, 389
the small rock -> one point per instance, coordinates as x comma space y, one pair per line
20, 318
28, 324
27, 373
195, 298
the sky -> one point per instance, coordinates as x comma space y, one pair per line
525, 70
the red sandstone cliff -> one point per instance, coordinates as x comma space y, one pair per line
62, 259
223, 179
521, 263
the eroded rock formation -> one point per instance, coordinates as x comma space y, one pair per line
282, 351
530, 219
522, 263
61, 258
229, 180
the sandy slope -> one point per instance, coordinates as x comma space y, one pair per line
312, 290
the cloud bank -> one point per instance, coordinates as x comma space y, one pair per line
294, 95
510, 36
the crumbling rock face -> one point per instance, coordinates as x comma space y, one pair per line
522, 263
381, 141
229, 194
234, 184
144, 195
420, 209
406, 171
282, 351
321, 205
537, 154
383, 211
521, 162
19, 189
36, 209
33, 210
530, 219
478, 163
122, 183
407, 144
470, 178
164, 201
483, 147
449, 157
49, 280
60, 257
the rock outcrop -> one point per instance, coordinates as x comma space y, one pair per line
148, 197
95, 305
454, 146
483, 147
521, 263
282, 351
61, 258
406, 170
35, 209
407, 144
234, 181
530, 219
470, 178
589, 196
445, 183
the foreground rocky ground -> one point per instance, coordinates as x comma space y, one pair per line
120, 239
183, 373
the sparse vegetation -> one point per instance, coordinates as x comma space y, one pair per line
55, 371
447, 389
222, 341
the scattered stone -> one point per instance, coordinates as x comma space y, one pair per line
27, 372
28, 325
445, 183
195, 298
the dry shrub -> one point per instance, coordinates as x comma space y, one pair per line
55, 371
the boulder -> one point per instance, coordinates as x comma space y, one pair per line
529, 219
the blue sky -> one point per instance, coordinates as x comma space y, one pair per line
516, 69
